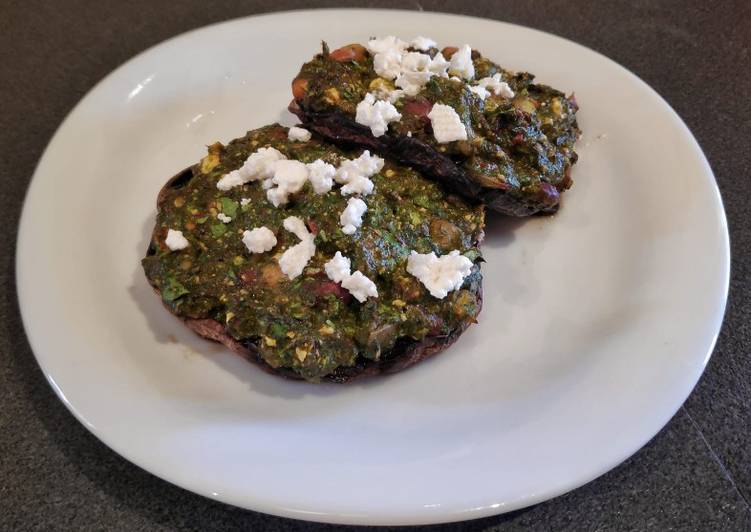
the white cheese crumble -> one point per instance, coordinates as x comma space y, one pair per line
321, 176
440, 275
386, 44
411, 70
338, 268
387, 55
294, 259
297, 227
480, 91
365, 165
351, 217
360, 286
223, 218
447, 126
244, 201
298, 134
439, 65
289, 177
259, 165
354, 174
417, 69
415, 61
461, 63
499, 88
259, 240
376, 114
387, 64
423, 43
412, 82
358, 185
175, 240
235, 178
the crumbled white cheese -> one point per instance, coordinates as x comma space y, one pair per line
354, 174
499, 88
351, 217
267, 184
260, 165
297, 227
223, 218
423, 43
480, 91
360, 286
321, 176
175, 240
277, 196
461, 63
415, 61
412, 82
387, 55
385, 44
411, 70
439, 65
387, 64
259, 240
376, 114
294, 259
289, 177
338, 268
440, 275
244, 201
232, 179
298, 134
369, 164
365, 165
358, 185
417, 69
447, 126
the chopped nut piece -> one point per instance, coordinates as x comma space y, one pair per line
332, 95
301, 353
212, 159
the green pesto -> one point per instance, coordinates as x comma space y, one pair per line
519, 145
308, 324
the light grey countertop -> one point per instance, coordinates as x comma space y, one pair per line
694, 475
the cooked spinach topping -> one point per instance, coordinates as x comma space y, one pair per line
310, 324
522, 146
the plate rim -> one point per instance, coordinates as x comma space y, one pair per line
367, 519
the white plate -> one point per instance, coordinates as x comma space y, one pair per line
597, 322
